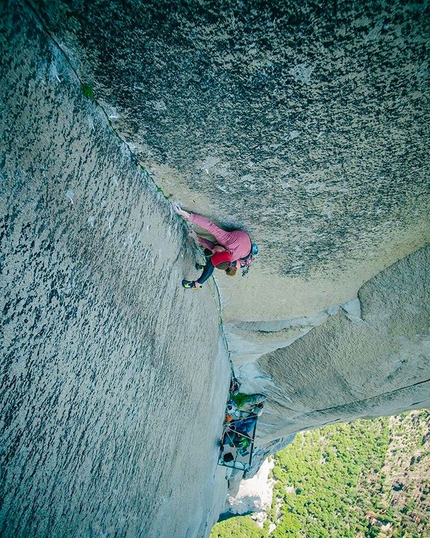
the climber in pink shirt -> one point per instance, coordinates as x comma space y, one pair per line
235, 248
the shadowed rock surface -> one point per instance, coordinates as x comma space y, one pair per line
305, 123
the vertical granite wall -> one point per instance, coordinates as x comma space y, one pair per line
113, 385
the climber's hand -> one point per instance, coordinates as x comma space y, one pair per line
177, 208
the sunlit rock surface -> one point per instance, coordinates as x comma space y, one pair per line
113, 385
357, 364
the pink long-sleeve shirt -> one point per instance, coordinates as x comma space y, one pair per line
237, 242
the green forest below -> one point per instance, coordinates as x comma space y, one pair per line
365, 479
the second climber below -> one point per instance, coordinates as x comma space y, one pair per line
231, 251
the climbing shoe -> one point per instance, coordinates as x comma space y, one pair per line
189, 284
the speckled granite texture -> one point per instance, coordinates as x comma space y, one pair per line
111, 408
305, 123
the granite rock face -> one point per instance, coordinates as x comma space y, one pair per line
111, 408
305, 123
357, 364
